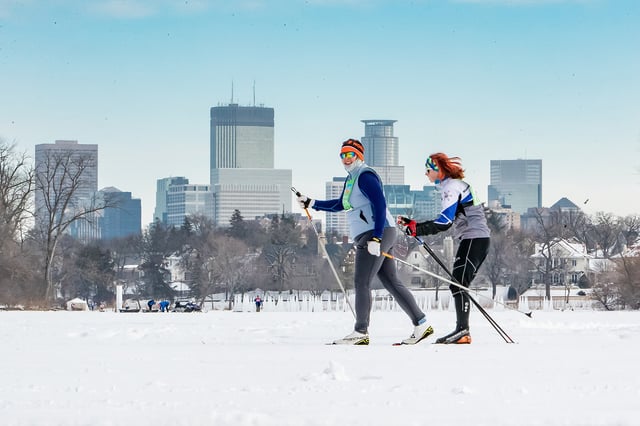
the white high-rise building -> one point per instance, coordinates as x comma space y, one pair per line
188, 200
242, 160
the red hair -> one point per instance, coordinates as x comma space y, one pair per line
448, 166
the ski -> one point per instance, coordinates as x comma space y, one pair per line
406, 344
366, 343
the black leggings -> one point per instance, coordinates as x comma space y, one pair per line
469, 257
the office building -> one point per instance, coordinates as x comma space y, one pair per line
57, 165
424, 204
188, 200
242, 164
381, 151
516, 184
162, 190
336, 222
124, 218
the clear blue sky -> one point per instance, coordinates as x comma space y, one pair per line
557, 80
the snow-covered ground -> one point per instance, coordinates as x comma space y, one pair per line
273, 368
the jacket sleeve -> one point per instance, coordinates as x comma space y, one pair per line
431, 227
328, 205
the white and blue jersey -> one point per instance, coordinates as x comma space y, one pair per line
461, 208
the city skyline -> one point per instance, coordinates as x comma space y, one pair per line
483, 80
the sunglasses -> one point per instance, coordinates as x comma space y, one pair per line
349, 154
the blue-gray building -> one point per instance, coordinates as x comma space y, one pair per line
162, 190
122, 220
422, 204
516, 184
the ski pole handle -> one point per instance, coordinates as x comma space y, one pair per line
295, 191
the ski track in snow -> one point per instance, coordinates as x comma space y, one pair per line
273, 368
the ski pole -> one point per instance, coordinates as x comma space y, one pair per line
493, 323
436, 276
324, 251
444, 267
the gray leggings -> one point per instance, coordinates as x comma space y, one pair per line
367, 266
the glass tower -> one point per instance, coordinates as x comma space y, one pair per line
381, 151
122, 220
516, 184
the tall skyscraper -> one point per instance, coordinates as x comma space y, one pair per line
516, 184
122, 220
162, 191
381, 151
60, 161
242, 160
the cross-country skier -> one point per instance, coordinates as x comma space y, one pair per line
460, 206
373, 231
258, 302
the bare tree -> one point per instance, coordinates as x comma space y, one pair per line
576, 224
496, 262
631, 229
606, 293
232, 262
606, 229
16, 188
60, 185
628, 281
280, 260
548, 231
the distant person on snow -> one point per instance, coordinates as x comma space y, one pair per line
258, 302
373, 231
164, 306
460, 206
150, 304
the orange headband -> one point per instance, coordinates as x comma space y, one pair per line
352, 149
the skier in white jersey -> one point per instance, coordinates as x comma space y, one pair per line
373, 231
460, 208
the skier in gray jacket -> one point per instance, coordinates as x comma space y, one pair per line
460, 208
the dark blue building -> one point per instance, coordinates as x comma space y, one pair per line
122, 220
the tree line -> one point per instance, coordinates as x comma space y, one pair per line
41, 265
